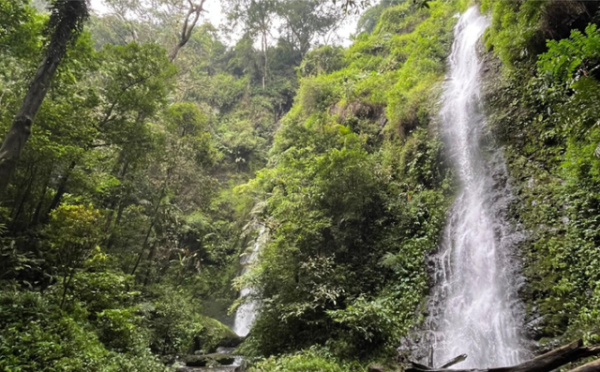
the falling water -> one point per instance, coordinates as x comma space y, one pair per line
475, 308
246, 313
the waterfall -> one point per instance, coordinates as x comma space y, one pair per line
246, 312
474, 308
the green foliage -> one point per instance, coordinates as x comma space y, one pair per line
35, 335
569, 60
317, 94
73, 232
323, 60
552, 135
367, 323
311, 360
121, 218
519, 30
176, 327
356, 196
368, 20
514, 27
172, 329
98, 289
119, 330
123, 228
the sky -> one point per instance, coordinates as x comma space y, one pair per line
215, 15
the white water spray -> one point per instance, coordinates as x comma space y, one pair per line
246, 313
474, 309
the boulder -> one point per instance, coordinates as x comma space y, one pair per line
231, 340
207, 360
376, 368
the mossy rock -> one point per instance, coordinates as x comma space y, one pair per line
231, 341
207, 360
215, 334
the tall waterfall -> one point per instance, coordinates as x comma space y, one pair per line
246, 313
474, 309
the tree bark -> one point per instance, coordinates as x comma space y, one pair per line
149, 266
67, 17
454, 361
265, 51
23, 200
543, 363
589, 367
189, 23
40, 204
62, 188
153, 222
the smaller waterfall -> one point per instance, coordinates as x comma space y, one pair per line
246, 313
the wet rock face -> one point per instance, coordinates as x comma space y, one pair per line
231, 341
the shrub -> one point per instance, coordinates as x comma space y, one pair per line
311, 360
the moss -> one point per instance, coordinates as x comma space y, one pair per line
541, 116
215, 334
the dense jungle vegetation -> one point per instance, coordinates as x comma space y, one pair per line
160, 146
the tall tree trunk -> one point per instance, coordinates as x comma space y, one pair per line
149, 266
189, 23
40, 204
62, 188
20, 187
152, 223
66, 21
111, 238
23, 200
116, 201
264, 45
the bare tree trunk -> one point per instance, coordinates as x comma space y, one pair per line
113, 235
114, 202
149, 266
152, 223
23, 200
62, 188
66, 19
264, 45
189, 23
40, 204
66, 284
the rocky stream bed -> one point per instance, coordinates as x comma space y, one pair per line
223, 360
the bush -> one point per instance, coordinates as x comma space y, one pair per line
177, 327
312, 360
35, 335
122, 330
317, 94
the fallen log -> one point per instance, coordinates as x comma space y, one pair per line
589, 367
543, 363
454, 361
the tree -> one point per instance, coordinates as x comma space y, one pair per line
72, 234
66, 22
256, 17
189, 22
151, 21
305, 21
